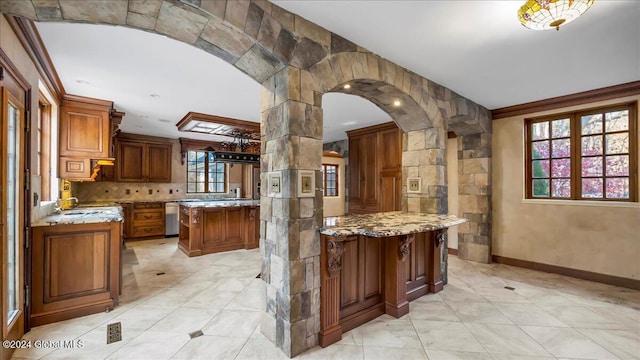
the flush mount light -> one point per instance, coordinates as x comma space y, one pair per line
83, 82
347, 86
551, 14
164, 120
396, 103
154, 95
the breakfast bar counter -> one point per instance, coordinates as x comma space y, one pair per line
374, 264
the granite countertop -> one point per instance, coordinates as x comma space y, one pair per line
83, 215
387, 224
220, 203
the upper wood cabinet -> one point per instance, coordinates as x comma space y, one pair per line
375, 169
86, 128
143, 159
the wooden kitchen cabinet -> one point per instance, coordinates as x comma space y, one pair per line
143, 161
86, 127
144, 219
375, 169
76, 270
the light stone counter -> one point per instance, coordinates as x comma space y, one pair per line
220, 203
83, 215
387, 224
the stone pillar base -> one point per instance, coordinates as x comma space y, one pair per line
474, 252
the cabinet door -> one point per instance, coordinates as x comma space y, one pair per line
84, 132
74, 168
159, 163
234, 226
390, 150
390, 191
213, 223
131, 161
370, 170
355, 173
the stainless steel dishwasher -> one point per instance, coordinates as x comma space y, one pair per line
172, 220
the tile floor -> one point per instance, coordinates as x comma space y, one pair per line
475, 317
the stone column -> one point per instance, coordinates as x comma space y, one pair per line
289, 243
424, 158
474, 174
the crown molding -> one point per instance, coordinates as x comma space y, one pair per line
30, 39
585, 97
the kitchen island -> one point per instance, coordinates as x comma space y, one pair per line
76, 263
374, 264
213, 226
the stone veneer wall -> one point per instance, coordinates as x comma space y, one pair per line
297, 62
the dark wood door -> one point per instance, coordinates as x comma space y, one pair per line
369, 160
390, 191
355, 174
159, 163
131, 161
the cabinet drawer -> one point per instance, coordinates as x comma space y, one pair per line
152, 205
149, 230
148, 216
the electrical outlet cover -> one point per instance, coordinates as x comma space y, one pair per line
413, 185
306, 183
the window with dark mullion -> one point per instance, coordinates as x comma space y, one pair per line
585, 155
204, 175
330, 179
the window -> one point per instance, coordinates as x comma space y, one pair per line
330, 179
203, 174
585, 155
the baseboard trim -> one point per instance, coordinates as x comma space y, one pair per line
580, 274
452, 251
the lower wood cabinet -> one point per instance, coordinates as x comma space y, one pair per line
76, 270
206, 230
144, 219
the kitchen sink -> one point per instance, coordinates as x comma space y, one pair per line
80, 213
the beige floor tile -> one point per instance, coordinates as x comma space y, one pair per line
94, 345
442, 335
252, 297
50, 333
333, 352
478, 312
386, 331
208, 347
184, 320
527, 314
154, 345
431, 310
352, 337
500, 294
260, 349
233, 323
456, 355
506, 339
622, 343
563, 342
581, 317
141, 317
519, 357
384, 353
451, 293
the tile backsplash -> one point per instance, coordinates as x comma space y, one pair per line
121, 191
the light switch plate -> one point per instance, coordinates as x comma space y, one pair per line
275, 184
306, 183
413, 185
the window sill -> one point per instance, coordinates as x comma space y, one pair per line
620, 204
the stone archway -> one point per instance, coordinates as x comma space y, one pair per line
297, 62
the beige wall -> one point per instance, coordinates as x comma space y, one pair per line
335, 205
591, 236
19, 57
452, 189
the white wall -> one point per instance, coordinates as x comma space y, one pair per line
334, 205
452, 190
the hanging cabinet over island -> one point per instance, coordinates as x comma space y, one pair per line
374, 264
214, 226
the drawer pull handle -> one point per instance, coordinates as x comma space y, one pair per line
148, 216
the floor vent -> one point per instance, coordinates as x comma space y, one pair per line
509, 288
195, 334
258, 276
160, 273
114, 332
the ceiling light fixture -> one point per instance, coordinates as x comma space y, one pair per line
550, 14
347, 86
396, 103
154, 95
83, 82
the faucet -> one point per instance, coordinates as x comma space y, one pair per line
59, 202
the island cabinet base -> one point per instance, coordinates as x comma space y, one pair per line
76, 270
210, 230
364, 277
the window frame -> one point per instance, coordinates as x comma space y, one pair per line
324, 179
44, 147
206, 174
575, 136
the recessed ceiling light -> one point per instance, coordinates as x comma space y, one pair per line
397, 103
83, 82
164, 120
347, 86
154, 95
